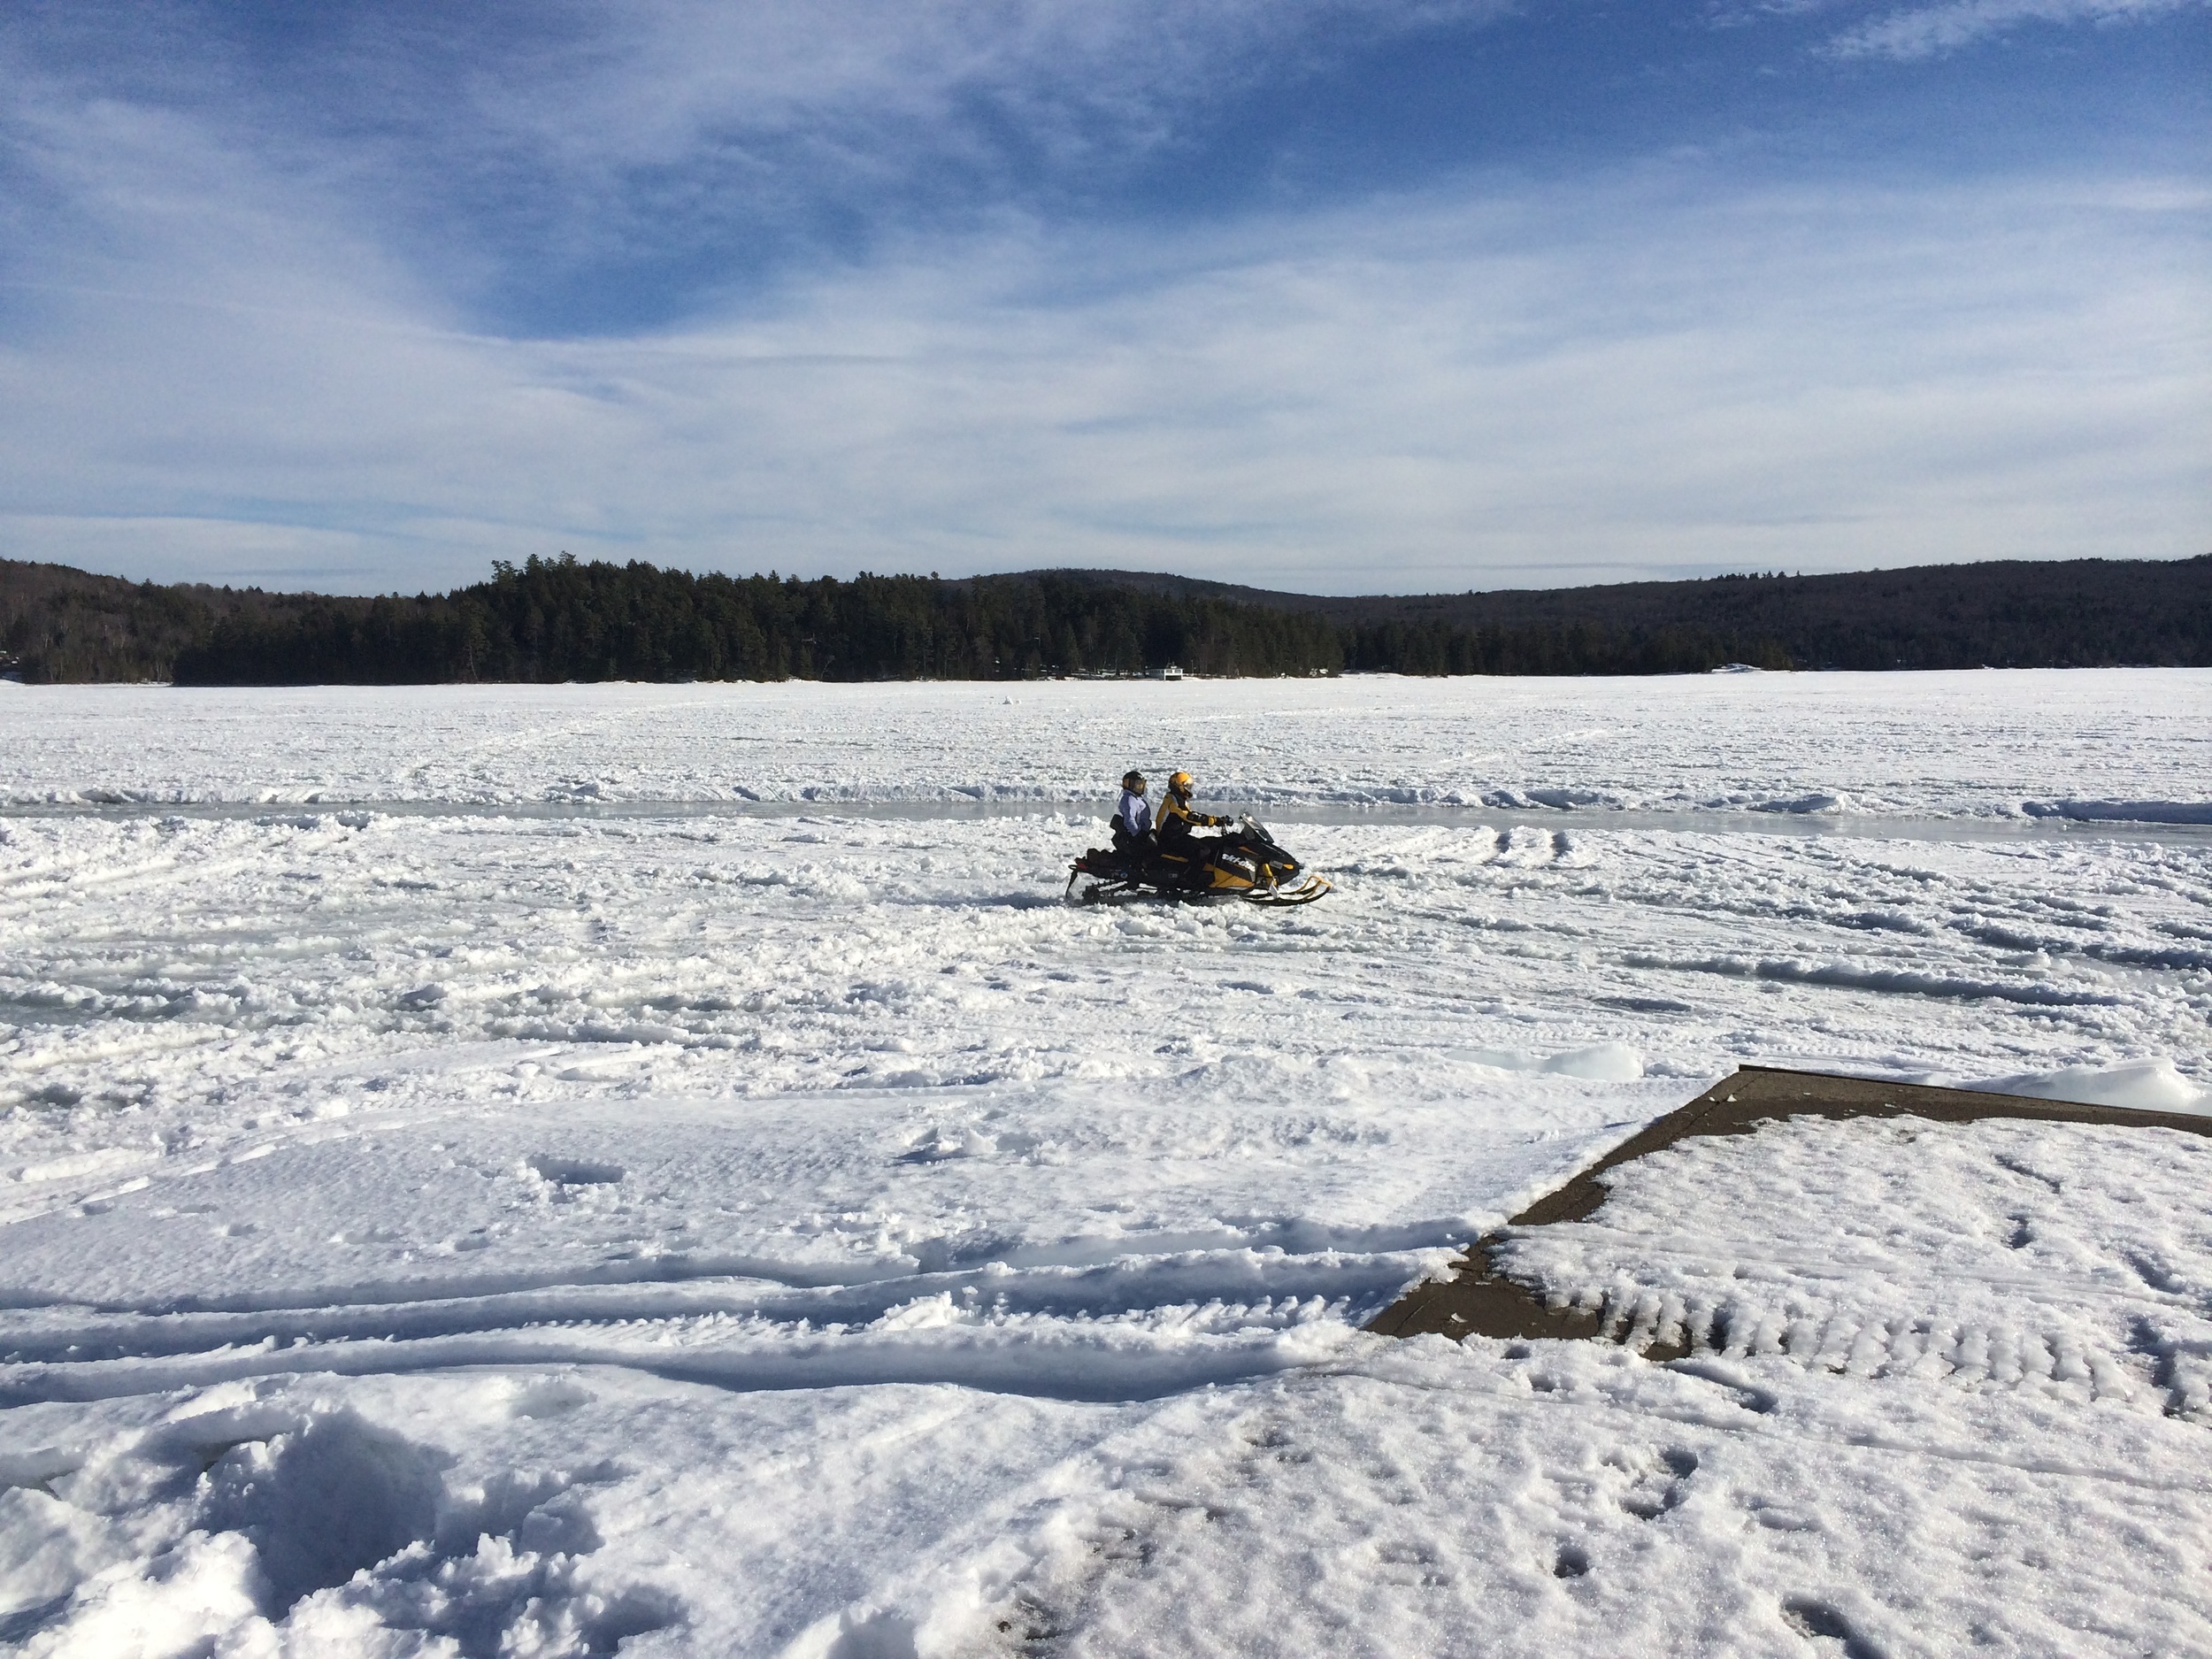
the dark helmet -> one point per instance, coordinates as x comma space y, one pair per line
1133, 781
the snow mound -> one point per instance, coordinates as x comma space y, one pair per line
321, 1502
318, 1531
1601, 1062
2141, 1085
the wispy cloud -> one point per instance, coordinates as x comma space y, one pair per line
566, 166
1931, 30
1449, 390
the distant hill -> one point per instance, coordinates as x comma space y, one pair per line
2015, 614
59, 625
556, 620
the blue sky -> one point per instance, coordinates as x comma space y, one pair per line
1323, 295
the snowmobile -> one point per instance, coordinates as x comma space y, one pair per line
1244, 863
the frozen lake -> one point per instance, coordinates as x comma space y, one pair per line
669, 1158
2131, 744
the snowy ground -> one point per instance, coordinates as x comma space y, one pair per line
2106, 744
537, 1227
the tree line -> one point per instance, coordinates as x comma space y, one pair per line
61, 625
2015, 613
560, 620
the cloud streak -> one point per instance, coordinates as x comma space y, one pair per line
560, 166
1930, 31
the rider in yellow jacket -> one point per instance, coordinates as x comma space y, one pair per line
1178, 818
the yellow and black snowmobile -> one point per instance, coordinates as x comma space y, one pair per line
1244, 863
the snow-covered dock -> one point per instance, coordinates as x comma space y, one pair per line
1699, 1313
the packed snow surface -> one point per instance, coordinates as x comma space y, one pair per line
533, 1228
2087, 745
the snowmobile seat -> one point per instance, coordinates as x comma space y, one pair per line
1131, 849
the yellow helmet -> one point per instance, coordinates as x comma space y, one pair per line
1180, 784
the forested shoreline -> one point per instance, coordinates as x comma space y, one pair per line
559, 619
562, 619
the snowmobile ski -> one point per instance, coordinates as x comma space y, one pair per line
1305, 893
